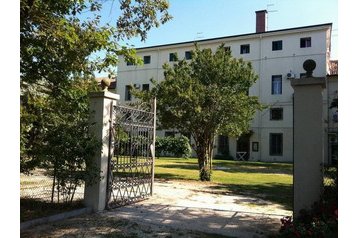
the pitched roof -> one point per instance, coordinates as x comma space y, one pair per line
233, 36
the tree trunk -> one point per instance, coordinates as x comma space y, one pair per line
203, 151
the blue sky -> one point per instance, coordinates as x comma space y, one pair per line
201, 19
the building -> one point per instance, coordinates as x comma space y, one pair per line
277, 56
332, 117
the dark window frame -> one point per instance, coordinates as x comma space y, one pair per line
277, 45
276, 144
146, 59
188, 55
169, 134
145, 87
127, 93
173, 57
305, 42
274, 78
276, 114
223, 144
302, 75
255, 146
245, 49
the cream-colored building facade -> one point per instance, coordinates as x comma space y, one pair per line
276, 56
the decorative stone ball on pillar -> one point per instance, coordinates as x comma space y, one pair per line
105, 83
309, 65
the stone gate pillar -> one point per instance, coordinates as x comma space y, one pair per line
308, 141
100, 109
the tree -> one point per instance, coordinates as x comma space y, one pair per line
205, 97
59, 41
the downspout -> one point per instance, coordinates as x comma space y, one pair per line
259, 96
158, 64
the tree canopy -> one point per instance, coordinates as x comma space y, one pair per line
204, 97
59, 45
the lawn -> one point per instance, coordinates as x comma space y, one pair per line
270, 181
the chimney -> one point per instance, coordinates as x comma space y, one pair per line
261, 21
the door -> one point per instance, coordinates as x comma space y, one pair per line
243, 147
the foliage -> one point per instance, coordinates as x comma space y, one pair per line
205, 97
322, 219
58, 38
59, 46
66, 143
170, 145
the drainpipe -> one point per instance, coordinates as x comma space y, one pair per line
259, 96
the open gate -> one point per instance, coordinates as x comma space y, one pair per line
131, 170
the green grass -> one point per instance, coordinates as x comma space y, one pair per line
269, 181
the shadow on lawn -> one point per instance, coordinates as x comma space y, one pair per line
238, 167
169, 176
273, 192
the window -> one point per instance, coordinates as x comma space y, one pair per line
276, 144
305, 42
244, 49
302, 75
223, 145
188, 55
146, 59
128, 95
227, 49
276, 85
173, 57
169, 134
277, 45
145, 87
276, 114
130, 63
255, 146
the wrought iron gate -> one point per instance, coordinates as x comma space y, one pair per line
131, 170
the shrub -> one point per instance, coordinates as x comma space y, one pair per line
173, 146
322, 219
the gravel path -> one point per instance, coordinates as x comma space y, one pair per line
177, 209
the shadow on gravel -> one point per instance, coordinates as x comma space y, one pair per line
274, 192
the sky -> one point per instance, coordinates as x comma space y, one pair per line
203, 19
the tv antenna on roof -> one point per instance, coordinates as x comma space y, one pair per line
199, 35
267, 9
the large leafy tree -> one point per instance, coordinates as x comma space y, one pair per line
62, 44
205, 97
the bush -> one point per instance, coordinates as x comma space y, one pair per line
322, 219
173, 146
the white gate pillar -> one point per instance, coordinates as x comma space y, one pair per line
308, 141
100, 114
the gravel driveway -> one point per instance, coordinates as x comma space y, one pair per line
177, 209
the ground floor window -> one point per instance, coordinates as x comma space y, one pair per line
255, 146
169, 134
223, 145
276, 143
